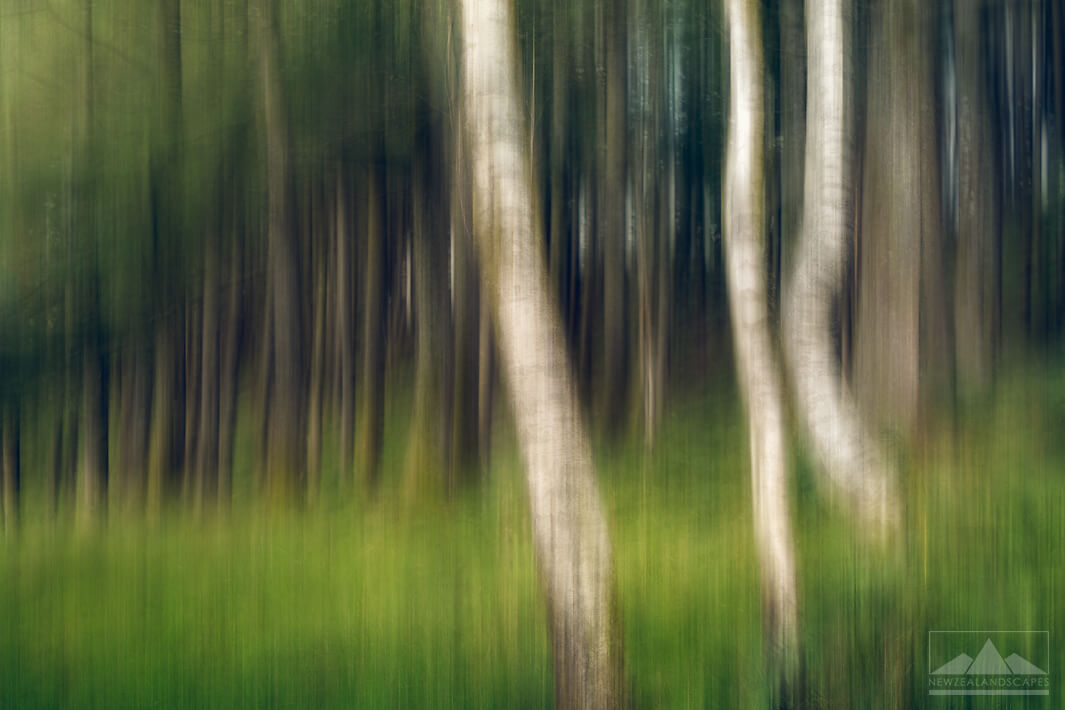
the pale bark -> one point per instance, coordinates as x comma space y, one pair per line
569, 528
759, 377
849, 458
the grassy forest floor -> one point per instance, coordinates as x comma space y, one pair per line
437, 604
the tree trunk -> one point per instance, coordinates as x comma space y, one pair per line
134, 418
284, 464
370, 423
91, 480
653, 269
345, 336
900, 330
850, 459
975, 309
465, 443
92, 471
569, 528
792, 130
210, 393
10, 467
166, 177
228, 373
759, 379
611, 222
428, 454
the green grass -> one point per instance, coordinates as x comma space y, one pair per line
438, 605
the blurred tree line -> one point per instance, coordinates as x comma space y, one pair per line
259, 209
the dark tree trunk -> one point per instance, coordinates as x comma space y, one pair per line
345, 332
370, 422
10, 467
284, 461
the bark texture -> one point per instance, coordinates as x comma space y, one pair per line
759, 376
850, 459
569, 528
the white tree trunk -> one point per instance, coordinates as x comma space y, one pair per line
570, 532
851, 460
759, 376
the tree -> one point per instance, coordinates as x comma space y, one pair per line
10, 466
93, 465
901, 326
569, 528
286, 386
975, 275
845, 453
759, 378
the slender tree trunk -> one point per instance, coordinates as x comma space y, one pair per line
792, 130
210, 393
10, 467
428, 453
228, 373
847, 455
166, 173
160, 436
611, 221
284, 464
316, 386
92, 471
974, 278
191, 361
91, 484
465, 416
370, 422
486, 380
345, 336
569, 528
759, 377
653, 277
133, 428
557, 243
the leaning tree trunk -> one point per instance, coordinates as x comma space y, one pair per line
759, 377
850, 459
569, 528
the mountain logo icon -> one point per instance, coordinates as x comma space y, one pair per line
989, 672
988, 662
